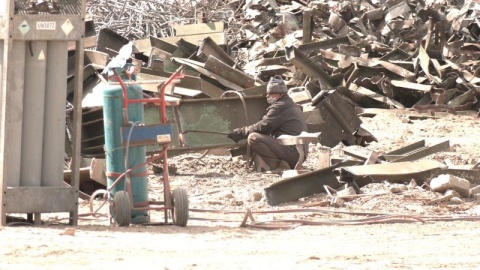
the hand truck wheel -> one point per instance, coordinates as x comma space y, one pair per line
180, 207
121, 209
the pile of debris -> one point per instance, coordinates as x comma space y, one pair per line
361, 56
341, 59
382, 54
139, 19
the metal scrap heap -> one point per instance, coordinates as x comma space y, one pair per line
422, 55
340, 60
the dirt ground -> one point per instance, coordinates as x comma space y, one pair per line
427, 236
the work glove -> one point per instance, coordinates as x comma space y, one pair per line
235, 135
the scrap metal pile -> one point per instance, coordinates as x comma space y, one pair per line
381, 54
339, 58
138, 19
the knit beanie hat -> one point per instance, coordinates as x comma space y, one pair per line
276, 85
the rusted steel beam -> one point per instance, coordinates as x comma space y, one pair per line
369, 96
339, 120
227, 72
142, 45
418, 153
159, 54
307, 27
163, 45
324, 44
198, 83
371, 112
360, 176
110, 42
358, 153
188, 48
98, 59
298, 59
279, 60
208, 48
342, 112
194, 33
404, 150
200, 67
304, 185
411, 86
256, 90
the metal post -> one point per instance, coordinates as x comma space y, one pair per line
77, 116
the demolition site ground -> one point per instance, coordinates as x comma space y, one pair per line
373, 52
323, 237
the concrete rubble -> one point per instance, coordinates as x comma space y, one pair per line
340, 59
444, 182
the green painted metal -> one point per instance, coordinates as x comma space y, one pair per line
212, 114
114, 151
217, 114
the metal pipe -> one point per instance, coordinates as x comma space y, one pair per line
54, 122
205, 131
245, 111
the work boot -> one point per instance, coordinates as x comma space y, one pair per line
283, 166
260, 164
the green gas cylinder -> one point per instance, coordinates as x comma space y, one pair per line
120, 158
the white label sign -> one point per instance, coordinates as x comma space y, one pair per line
46, 25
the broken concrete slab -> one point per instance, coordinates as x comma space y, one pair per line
473, 190
447, 196
446, 182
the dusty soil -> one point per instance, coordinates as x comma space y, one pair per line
325, 237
